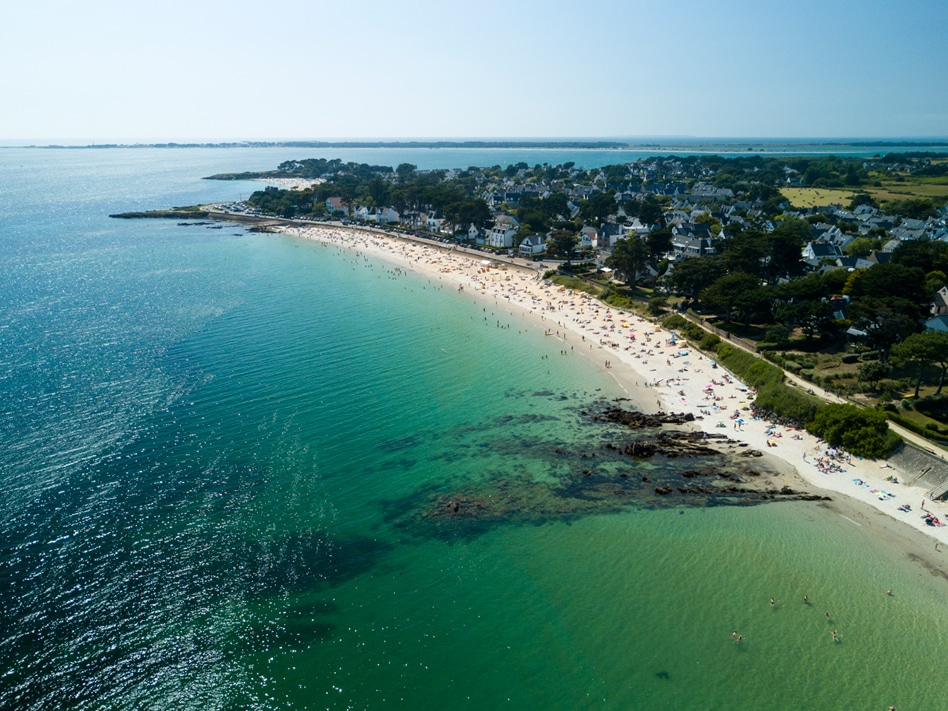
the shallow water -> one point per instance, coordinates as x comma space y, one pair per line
212, 442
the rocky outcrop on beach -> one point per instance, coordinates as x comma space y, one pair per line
672, 468
164, 214
640, 420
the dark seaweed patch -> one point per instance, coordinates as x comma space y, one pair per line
646, 469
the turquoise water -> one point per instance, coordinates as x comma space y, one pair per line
226, 459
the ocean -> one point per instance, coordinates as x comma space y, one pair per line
230, 464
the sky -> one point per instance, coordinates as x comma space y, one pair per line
130, 71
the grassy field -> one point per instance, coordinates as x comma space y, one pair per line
932, 188
893, 190
817, 197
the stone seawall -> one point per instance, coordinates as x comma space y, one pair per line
921, 468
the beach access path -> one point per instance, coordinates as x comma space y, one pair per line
659, 371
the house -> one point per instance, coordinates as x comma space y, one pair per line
609, 234
879, 257
693, 230
636, 227
591, 233
940, 307
815, 252
475, 234
387, 215
335, 204
433, 224
371, 214
685, 245
512, 198
679, 243
937, 323
699, 246
501, 235
532, 246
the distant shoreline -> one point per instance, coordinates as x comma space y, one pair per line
729, 145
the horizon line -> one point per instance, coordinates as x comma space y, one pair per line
617, 142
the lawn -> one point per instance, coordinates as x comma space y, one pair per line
816, 197
894, 190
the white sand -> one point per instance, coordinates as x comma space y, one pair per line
291, 183
656, 374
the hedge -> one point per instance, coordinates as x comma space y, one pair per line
915, 427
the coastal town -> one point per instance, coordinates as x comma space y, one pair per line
701, 201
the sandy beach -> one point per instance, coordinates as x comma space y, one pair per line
660, 372
291, 183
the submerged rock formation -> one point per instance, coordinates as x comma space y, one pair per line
673, 468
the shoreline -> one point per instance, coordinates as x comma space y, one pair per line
658, 375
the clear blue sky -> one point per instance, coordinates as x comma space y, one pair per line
173, 70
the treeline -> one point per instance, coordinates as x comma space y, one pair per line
758, 278
410, 192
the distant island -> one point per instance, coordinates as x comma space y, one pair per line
650, 144
551, 144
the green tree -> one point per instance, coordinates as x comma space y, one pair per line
862, 247
657, 305
745, 253
922, 254
913, 208
885, 322
862, 199
562, 244
923, 350
873, 372
811, 316
892, 281
783, 248
811, 287
934, 281
627, 258
732, 293
691, 276
652, 212
659, 243
862, 432
598, 207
